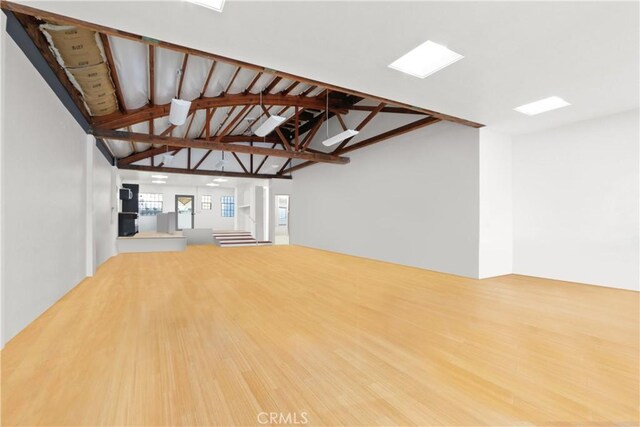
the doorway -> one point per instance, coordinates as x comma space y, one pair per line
282, 220
184, 211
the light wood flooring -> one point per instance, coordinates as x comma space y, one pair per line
215, 336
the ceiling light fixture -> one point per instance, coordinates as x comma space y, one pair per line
159, 182
425, 59
221, 163
159, 176
269, 125
212, 184
167, 159
542, 106
216, 5
179, 109
221, 180
340, 137
349, 133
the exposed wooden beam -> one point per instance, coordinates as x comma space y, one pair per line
201, 172
202, 159
189, 158
50, 16
271, 85
168, 130
240, 163
233, 79
113, 71
186, 132
362, 124
263, 160
341, 120
118, 120
287, 163
283, 138
297, 129
253, 82
152, 75
182, 72
154, 151
308, 90
290, 88
233, 123
230, 111
298, 167
312, 133
207, 123
375, 139
244, 116
206, 82
215, 145
387, 109
392, 133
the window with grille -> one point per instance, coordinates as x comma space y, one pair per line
149, 204
228, 205
206, 203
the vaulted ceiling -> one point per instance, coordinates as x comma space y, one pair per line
229, 100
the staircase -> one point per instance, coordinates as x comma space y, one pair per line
236, 238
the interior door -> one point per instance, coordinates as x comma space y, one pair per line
184, 211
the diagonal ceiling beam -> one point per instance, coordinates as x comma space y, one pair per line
202, 159
391, 134
375, 139
185, 143
362, 124
283, 138
152, 75
111, 64
183, 70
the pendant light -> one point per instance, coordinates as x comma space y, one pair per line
179, 108
329, 141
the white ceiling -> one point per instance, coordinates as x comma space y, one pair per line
515, 52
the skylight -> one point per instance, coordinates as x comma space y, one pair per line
542, 106
425, 60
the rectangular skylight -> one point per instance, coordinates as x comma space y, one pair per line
216, 5
425, 59
542, 106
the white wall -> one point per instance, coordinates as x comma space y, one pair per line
3, 37
575, 202
43, 195
203, 219
412, 200
496, 214
105, 220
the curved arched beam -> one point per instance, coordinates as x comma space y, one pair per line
119, 120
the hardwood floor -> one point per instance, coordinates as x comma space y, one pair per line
216, 336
